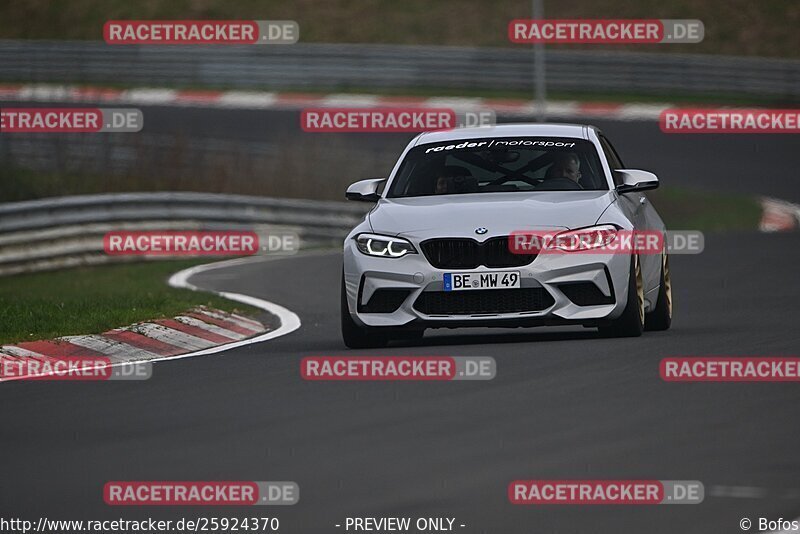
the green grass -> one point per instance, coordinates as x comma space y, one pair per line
24, 184
687, 209
736, 27
91, 300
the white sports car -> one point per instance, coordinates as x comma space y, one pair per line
436, 250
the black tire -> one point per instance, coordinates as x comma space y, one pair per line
355, 336
661, 317
631, 322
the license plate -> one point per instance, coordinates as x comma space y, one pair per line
486, 280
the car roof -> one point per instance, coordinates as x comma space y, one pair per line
532, 129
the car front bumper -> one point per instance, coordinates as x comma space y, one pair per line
552, 278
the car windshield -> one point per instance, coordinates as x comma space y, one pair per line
499, 165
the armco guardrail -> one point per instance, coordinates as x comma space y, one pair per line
326, 66
61, 232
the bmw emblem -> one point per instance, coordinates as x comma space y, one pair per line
481, 230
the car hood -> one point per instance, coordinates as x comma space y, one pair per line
499, 213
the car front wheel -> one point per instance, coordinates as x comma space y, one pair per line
356, 336
661, 317
631, 322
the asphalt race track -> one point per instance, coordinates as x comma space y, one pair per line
741, 163
565, 404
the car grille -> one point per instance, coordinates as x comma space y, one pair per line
585, 294
483, 301
465, 253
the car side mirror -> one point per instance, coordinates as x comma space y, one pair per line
635, 180
365, 190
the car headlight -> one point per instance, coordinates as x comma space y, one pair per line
384, 246
584, 238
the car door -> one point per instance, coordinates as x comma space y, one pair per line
643, 215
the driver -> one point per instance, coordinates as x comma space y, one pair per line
444, 185
567, 166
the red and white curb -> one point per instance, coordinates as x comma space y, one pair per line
198, 332
201, 328
272, 100
779, 215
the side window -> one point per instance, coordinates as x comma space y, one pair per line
613, 158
